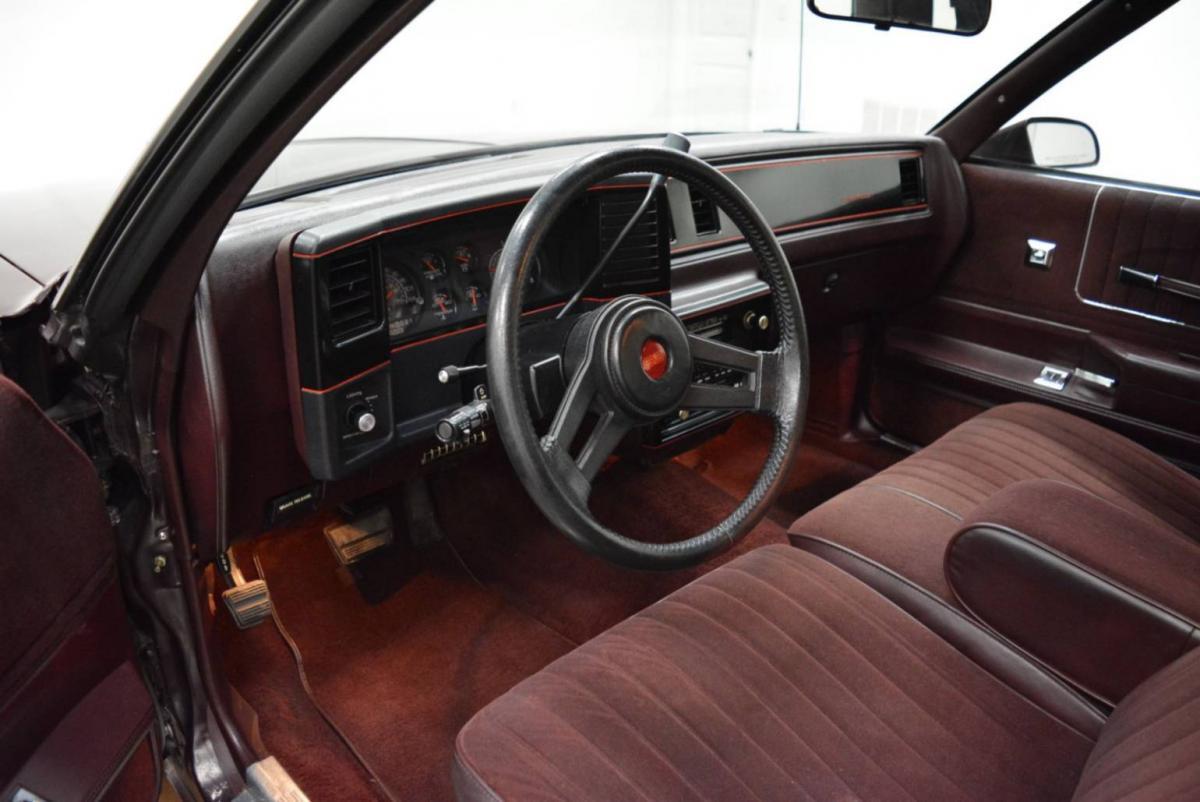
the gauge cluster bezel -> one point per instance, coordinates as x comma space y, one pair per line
445, 272
441, 262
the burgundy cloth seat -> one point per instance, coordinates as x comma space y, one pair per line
780, 676
905, 516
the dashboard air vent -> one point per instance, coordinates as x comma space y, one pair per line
704, 213
912, 186
636, 264
352, 295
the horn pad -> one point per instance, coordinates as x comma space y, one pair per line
645, 359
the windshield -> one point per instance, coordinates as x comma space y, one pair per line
468, 74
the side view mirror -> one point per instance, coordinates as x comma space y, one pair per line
963, 17
1043, 142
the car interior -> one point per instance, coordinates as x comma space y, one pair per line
775, 465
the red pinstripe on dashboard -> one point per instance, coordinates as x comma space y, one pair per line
842, 218
344, 382
736, 168
682, 249
464, 330
446, 216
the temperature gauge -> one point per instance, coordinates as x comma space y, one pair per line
444, 306
476, 298
433, 267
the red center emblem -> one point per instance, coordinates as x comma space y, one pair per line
654, 359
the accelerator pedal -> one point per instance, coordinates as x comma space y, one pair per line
360, 536
248, 602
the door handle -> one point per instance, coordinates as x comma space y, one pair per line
1157, 281
1107, 383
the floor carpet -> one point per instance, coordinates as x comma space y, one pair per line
502, 536
400, 655
733, 460
399, 677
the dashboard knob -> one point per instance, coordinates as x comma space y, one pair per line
362, 419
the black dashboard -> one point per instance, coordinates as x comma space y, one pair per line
378, 317
351, 299
381, 305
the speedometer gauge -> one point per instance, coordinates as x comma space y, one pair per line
404, 301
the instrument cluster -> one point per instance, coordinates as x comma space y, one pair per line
432, 287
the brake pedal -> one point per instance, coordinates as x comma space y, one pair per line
355, 539
249, 603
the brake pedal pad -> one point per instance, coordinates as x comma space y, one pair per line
353, 540
249, 603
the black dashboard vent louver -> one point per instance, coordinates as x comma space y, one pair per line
352, 295
912, 184
704, 213
636, 264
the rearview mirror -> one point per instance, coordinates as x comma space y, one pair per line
963, 17
1051, 142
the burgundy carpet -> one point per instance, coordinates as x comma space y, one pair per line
260, 666
401, 659
733, 460
508, 544
400, 677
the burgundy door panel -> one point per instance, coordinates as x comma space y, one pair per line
1151, 232
997, 322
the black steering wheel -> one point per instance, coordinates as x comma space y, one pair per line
630, 362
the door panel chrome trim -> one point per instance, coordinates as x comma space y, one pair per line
1087, 238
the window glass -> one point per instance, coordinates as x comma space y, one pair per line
1141, 98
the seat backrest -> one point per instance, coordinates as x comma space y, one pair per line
70, 692
1149, 751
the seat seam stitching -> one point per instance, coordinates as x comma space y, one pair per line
653, 697
788, 680
882, 628
713, 701
899, 738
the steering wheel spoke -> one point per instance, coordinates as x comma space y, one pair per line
601, 443
759, 368
580, 471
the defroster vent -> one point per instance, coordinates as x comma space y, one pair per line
352, 295
637, 264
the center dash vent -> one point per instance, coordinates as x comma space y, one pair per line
912, 185
637, 264
352, 295
704, 213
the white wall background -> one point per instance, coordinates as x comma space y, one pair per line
530, 69
85, 85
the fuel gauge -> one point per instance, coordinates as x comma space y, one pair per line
476, 297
